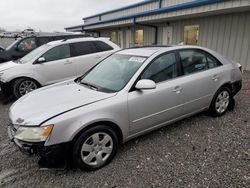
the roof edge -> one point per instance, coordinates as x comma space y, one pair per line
191, 4
121, 8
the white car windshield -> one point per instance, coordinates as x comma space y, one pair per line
34, 54
113, 73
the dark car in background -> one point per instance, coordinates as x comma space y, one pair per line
1, 49
21, 47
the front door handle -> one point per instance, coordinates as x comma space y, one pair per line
177, 89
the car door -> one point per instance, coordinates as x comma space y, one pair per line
149, 108
201, 72
58, 65
86, 55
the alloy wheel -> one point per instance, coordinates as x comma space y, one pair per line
222, 102
26, 87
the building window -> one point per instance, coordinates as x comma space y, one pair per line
113, 37
191, 34
139, 37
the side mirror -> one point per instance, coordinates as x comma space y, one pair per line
145, 84
41, 60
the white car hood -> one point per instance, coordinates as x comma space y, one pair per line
38, 106
7, 65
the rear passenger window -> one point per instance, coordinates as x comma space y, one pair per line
193, 61
82, 48
102, 46
212, 62
162, 69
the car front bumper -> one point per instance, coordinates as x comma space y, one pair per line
52, 154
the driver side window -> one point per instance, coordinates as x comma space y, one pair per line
27, 45
162, 69
57, 53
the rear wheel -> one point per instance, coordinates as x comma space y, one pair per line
23, 86
221, 102
95, 148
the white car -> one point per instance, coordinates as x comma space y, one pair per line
53, 62
28, 32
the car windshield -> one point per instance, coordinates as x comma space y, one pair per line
113, 73
13, 44
33, 54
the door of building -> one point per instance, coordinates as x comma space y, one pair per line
167, 35
120, 39
128, 39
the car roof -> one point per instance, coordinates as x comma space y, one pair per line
150, 50
67, 41
142, 51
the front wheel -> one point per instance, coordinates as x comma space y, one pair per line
221, 102
95, 148
23, 86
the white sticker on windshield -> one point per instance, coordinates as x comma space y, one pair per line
137, 59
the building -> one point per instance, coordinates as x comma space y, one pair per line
222, 25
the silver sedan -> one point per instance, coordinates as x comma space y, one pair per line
131, 92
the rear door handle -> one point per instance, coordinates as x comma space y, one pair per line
215, 78
177, 89
68, 62
98, 57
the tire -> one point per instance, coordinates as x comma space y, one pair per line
86, 151
221, 102
19, 87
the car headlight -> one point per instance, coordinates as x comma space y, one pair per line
33, 134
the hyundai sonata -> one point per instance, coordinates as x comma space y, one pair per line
131, 92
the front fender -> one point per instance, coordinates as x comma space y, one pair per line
10, 76
69, 124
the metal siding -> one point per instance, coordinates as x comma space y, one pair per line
92, 20
227, 34
130, 11
225, 45
166, 3
239, 37
245, 57
233, 35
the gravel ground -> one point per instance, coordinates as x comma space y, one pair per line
200, 151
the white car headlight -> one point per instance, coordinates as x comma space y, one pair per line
33, 134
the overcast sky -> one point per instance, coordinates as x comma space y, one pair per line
52, 15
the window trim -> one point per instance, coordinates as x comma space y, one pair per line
178, 65
201, 51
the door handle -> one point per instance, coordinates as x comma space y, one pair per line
215, 78
177, 89
98, 57
68, 62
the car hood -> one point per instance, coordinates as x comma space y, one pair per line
43, 104
7, 65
